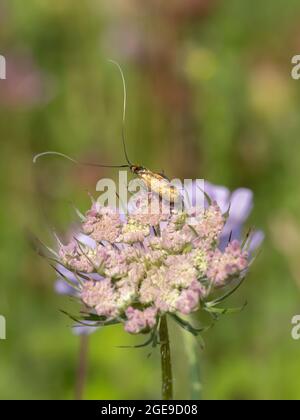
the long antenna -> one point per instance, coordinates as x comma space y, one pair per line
129, 164
36, 157
124, 109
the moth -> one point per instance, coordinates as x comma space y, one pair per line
154, 181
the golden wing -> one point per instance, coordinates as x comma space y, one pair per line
160, 185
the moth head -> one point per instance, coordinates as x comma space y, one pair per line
136, 169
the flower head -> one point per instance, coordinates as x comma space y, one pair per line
102, 224
237, 205
135, 269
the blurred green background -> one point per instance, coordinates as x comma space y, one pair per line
210, 95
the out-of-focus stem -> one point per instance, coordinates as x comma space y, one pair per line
192, 352
166, 365
82, 366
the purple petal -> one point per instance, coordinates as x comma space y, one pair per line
67, 273
63, 288
84, 330
86, 240
241, 203
219, 194
232, 232
256, 240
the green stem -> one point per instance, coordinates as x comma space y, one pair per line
82, 367
166, 365
192, 352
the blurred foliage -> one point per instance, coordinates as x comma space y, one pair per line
210, 95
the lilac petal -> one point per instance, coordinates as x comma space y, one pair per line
67, 273
86, 240
241, 204
63, 288
219, 194
232, 233
83, 329
95, 276
232, 227
256, 240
